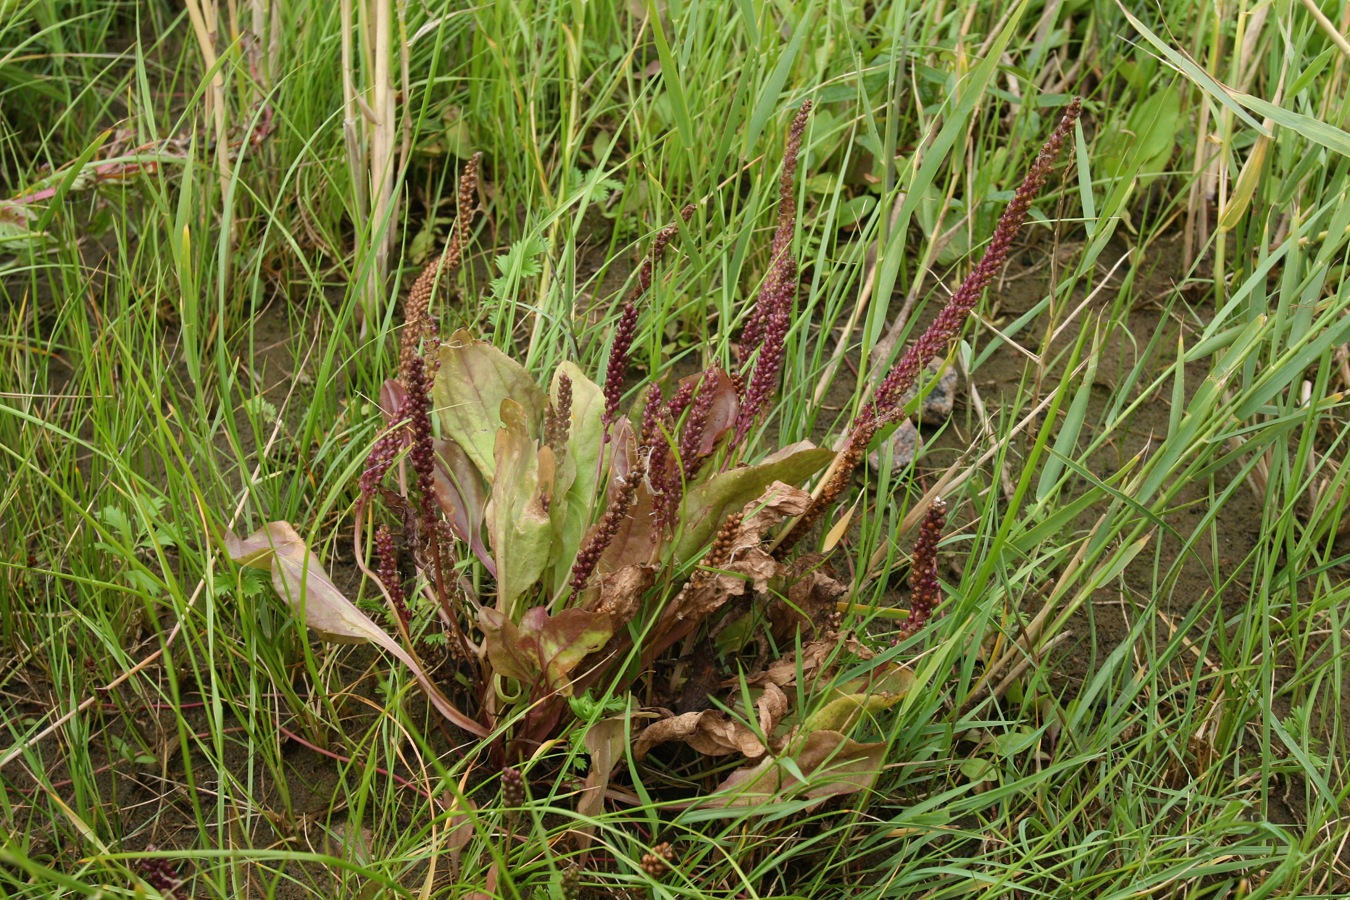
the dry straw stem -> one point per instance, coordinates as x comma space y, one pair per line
370, 128
205, 26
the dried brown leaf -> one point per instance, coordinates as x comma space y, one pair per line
621, 592
714, 733
812, 595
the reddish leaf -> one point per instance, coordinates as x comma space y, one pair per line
543, 650
459, 491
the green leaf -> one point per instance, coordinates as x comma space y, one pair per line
828, 763
519, 529
1192, 70
671, 78
870, 695
1141, 146
709, 503
473, 379
579, 473
116, 519
517, 264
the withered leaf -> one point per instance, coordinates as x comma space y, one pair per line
300, 579
621, 592
604, 741
812, 594
816, 659
714, 733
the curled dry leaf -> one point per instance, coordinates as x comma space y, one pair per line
714, 733
749, 565
300, 579
814, 661
778, 502
813, 594
621, 592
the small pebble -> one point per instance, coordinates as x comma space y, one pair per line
904, 444
937, 406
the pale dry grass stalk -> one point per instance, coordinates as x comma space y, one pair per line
371, 135
205, 18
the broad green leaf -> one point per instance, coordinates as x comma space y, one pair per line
300, 579
473, 379
579, 471
831, 762
519, 529
1141, 143
709, 503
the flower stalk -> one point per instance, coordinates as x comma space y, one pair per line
887, 407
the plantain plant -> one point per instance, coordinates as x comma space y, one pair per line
572, 548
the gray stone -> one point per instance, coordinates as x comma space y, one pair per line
903, 443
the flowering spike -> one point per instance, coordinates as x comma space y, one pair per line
416, 322
393, 585
925, 591
697, 422
558, 419
381, 457
602, 535
933, 342
772, 315
753, 333
626, 329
